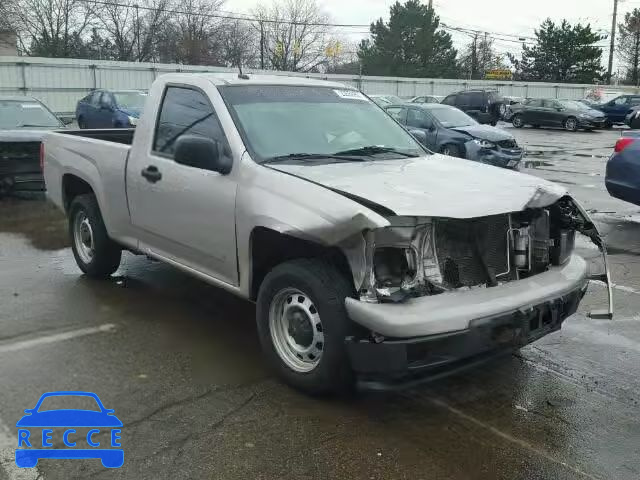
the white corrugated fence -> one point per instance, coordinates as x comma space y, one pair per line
61, 82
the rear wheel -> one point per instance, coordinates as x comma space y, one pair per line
517, 121
95, 253
571, 124
302, 325
81, 123
451, 151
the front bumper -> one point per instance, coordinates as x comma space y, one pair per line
498, 157
455, 311
592, 122
432, 336
399, 363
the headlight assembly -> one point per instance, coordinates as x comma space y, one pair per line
484, 143
133, 121
402, 260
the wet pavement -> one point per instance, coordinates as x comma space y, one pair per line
179, 362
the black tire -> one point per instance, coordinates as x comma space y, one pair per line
451, 150
517, 121
327, 288
535, 126
106, 253
607, 124
81, 123
571, 124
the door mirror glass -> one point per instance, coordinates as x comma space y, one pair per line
202, 152
419, 135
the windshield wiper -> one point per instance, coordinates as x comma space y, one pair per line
373, 150
311, 156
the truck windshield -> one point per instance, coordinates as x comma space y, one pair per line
25, 114
305, 123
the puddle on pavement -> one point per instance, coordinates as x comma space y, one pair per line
38, 220
537, 163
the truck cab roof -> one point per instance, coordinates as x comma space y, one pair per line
233, 79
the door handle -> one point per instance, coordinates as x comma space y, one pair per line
152, 174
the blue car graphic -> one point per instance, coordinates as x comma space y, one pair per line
68, 419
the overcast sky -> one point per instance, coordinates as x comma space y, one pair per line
499, 16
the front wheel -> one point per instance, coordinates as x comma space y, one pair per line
518, 121
302, 325
571, 124
95, 253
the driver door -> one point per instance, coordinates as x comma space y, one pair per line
187, 214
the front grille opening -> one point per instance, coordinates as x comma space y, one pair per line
473, 252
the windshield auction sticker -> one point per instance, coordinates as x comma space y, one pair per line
90, 432
351, 95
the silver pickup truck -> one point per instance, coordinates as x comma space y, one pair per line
371, 260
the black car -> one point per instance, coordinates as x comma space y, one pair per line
486, 106
449, 131
550, 112
23, 123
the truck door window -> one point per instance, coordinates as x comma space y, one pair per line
184, 111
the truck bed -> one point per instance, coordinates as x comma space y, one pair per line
97, 158
115, 135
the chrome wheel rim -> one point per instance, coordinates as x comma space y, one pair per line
83, 237
571, 124
296, 330
517, 121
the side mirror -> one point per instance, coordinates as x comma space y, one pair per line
202, 152
419, 135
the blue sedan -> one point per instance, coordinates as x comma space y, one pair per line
110, 109
623, 169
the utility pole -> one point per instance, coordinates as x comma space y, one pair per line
136, 6
430, 4
613, 39
261, 45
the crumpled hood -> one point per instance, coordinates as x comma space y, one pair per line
23, 135
485, 132
435, 186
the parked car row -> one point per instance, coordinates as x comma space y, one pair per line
547, 112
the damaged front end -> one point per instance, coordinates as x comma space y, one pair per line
422, 256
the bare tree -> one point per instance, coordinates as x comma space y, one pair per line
199, 35
293, 34
133, 26
52, 28
239, 44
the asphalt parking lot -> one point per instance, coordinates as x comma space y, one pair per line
179, 362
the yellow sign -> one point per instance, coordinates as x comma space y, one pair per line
499, 74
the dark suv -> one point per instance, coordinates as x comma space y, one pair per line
486, 106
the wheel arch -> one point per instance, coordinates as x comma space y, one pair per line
269, 248
72, 186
